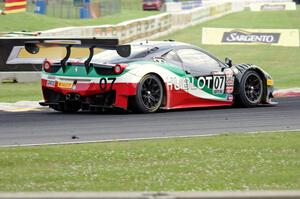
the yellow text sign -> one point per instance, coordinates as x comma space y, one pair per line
241, 36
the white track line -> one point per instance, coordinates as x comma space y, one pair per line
141, 139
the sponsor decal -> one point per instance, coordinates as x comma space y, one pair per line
230, 97
272, 7
215, 82
230, 81
270, 82
240, 36
229, 89
228, 72
65, 85
51, 83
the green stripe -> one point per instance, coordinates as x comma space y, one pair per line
170, 67
70, 71
205, 88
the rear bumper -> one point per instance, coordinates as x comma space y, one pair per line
89, 96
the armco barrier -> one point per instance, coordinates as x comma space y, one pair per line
152, 195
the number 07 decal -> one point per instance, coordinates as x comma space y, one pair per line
218, 84
104, 81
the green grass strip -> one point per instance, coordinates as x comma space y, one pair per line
267, 161
36, 22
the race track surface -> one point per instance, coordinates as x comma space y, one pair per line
46, 126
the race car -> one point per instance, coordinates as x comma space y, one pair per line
147, 76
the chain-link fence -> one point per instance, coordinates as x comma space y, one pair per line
132, 4
2, 5
67, 8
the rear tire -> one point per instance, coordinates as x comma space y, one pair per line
251, 89
149, 96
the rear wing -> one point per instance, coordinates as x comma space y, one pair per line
34, 50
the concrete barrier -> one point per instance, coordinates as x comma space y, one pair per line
153, 195
23, 77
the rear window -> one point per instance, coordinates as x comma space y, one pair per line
111, 56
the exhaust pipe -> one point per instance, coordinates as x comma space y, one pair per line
73, 97
68, 96
77, 97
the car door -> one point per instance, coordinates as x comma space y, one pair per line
206, 79
176, 81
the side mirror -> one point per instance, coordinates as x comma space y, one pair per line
228, 61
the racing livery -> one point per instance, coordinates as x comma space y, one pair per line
148, 76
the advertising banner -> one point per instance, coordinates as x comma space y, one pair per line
235, 36
273, 6
15, 6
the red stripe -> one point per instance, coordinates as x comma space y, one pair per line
14, 8
182, 99
14, 1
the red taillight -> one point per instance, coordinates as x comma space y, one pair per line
119, 68
47, 66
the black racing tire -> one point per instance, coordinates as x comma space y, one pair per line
66, 108
251, 89
149, 95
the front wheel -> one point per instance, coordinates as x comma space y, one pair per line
250, 89
149, 95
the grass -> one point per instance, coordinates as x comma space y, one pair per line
35, 22
13, 92
130, 9
268, 161
283, 63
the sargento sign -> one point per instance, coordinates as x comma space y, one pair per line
237, 36
275, 37
273, 6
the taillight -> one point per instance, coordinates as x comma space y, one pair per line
119, 68
47, 66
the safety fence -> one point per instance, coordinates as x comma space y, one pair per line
146, 27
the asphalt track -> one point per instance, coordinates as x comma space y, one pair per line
38, 127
